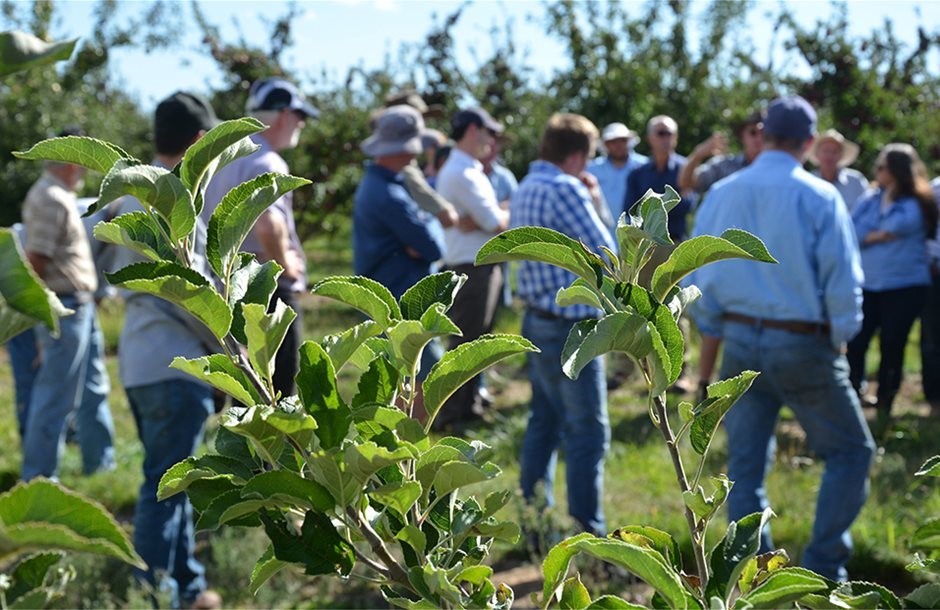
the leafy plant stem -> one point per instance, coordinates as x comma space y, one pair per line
395, 571
427, 513
698, 540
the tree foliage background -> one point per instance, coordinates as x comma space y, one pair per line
625, 63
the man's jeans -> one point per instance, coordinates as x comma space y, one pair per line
24, 360
170, 416
570, 413
805, 373
71, 377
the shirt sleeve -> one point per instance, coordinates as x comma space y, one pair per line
706, 311
578, 218
840, 273
480, 202
406, 222
426, 197
45, 226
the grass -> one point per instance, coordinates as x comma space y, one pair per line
640, 485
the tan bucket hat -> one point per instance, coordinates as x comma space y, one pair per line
850, 149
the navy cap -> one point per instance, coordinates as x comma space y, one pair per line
790, 117
279, 94
474, 116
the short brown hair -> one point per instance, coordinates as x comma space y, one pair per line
566, 134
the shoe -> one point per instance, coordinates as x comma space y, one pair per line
207, 600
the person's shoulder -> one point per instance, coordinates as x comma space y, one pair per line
854, 175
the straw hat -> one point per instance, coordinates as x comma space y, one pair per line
849, 149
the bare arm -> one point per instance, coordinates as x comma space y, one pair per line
38, 262
271, 231
714, 145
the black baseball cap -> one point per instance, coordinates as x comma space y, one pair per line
474, 116
179, 118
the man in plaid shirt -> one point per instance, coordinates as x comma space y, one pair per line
558, 194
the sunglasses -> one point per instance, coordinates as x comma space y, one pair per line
664, 133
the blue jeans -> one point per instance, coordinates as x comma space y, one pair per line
24, 360
71, 377
805, 373
170, 416
567, 413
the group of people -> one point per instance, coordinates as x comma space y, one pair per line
853, 262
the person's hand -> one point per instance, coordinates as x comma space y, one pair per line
466, 223
877, 237
411, 252
448, 217
295, 265
716, 144
590, 182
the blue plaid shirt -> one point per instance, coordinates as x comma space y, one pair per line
548, 197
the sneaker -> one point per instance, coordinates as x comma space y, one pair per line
207, 600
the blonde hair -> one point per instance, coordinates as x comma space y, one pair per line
566, 134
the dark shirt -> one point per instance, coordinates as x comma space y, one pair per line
386, 221
648, 176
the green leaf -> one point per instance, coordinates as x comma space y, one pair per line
236, 214
759, 568
430, 290
288, 487
466, 361
327, 470
722, 395
342, 346
578, 294
699, 251
266, 567
921, 563
399, 496
574, 595
781, 588
931, 468
414, 538
378, 385
408, 338
542, 245
96, 155
642, 301
198, 160
927, 536
24, 300
220, 372
657, 539
646, 563
454, 475
227, 507
41, 516
252, 424
22, 51
136, 231
731, 555
432, 460
924, 596
365, 459
555, 565
705, 506
251, 282
859, 594
155, 188
612, 602
364, 294
651, 215
180, 286
265, 333
183, 474
316, 386
30, 574
318, 547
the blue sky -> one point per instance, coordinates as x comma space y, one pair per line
334, 35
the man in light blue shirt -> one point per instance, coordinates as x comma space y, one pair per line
789, 321
612, 170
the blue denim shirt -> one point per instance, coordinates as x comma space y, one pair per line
613, 181
805, 226
386, 221
900, 262
648, 176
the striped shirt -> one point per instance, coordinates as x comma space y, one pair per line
548, 197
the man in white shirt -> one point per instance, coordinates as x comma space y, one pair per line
463, 182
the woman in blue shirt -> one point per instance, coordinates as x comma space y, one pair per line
892, 225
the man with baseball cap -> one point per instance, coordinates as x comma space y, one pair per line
833, 153
463, 182
394, 241
612, 169
278, 104
170, 407
785, 320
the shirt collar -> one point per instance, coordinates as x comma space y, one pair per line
465, 159
776, 157
542, 166
55, 180
384, 172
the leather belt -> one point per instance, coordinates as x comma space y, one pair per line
794, 326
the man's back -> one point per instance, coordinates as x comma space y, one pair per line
805, 226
